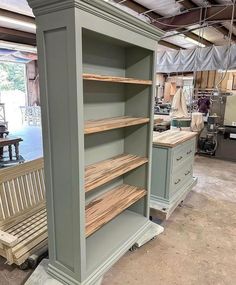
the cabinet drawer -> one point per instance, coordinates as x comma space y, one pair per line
181, 178
183, 153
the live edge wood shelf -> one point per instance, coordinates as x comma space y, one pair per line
102, 172
97, 79
103, 209
96, 126
106, 78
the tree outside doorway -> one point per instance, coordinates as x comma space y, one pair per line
13, 92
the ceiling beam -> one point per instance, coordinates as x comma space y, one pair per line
213, 2
214, 13
188, 4
224, 31
139, 8
16, 36
169, 45
196, 38
16, 16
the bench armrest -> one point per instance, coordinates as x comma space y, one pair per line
8, 239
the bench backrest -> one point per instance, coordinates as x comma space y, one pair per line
22, 189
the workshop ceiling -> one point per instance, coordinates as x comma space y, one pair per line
179, 19
18, 6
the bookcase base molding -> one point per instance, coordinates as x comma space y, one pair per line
48, 273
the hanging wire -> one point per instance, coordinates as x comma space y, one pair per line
199, 22
229, 47
198, 53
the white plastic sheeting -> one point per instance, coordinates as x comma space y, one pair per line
208, 58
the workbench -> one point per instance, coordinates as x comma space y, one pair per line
172, 170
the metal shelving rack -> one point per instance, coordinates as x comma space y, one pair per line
97, 82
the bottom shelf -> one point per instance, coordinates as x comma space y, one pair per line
107, 245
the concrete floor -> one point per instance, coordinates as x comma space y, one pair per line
198, 246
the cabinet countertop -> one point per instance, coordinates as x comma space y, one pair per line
171, 138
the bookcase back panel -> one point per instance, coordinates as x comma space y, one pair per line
103, 189
102, 55
103, 100
136, 140
139, 63
101, 146
138, 99
139, 178
105, 55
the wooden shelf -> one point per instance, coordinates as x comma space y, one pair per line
107, 78
102, 172
106, 207
96, 126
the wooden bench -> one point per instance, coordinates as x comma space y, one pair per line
23, 221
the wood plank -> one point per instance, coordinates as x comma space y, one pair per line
19, 223
25, 228
172, 138
33, 239
100, 173
16, 171
107, 78
8, 239
14, 222
96, 126
26, 246
23, 255
106, 207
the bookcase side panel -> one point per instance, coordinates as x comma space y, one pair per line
63, 143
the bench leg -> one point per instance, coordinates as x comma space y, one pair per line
10, 151
9, 255
17, 150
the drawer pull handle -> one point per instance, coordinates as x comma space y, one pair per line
179, 158
187, 173
177, 182
188, 152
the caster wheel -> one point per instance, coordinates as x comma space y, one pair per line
150, 218
24, 265
32, 263
133, 248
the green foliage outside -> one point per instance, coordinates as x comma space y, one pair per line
12, 76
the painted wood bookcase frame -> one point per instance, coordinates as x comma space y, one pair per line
75, 39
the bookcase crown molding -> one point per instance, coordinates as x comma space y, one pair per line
101, 9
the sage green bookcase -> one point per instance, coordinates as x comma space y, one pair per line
97, 79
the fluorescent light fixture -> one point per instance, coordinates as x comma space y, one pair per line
18, 47
195, 42
17, 22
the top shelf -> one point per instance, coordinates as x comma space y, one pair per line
107, 78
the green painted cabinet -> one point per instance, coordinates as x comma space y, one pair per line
172, 172
97, 83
